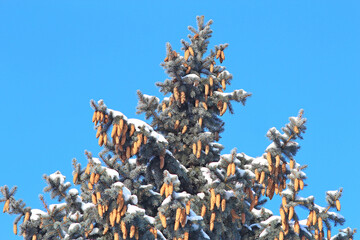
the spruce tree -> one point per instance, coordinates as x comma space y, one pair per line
169, 180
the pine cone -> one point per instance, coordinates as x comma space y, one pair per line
184, 129
162, 219
162, 189
207, 148
291, 213
338, 205
282, 215
94, 117
203, 210
228, 172
243, 218
262, 177
223, 204
328, 234
314, 219
191, 51
292, 163
15, 229
301, 184
218, 199
182, 98
257, 175
309, 220
206, 90
223, 109
176, 94
222, 56
212, 218
223, 84
233, 169
277, 161
186, 236
296, 184
98, 131
194, 148
99, 208
296, 129
320, 223
281, 235
123, 229
186, 54
93, 199
218, 53
188, 205
234, 215
176, 125
183, 218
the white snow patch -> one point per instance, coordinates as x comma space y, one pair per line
73, 192
154, 193
271, 145
172, 178
191, 76
113, 174
260, 161
57, 177
206, 173
201, 195
158, 137
181, 195
117, 185
260, 213
126, 193
116, 113
75, 216
287, 192
160, 235
57, 206
94, 231
222, 94
36, 214
204, 234
214, 165
96, 161
250, 173
336, 215
332, 193
151, 220
225, 74
86, 206
277, 219
74, 227
321, 209
139, 124
148, 97
193, 216
134, 209
132, 161
229, 194
264, 233
166, 201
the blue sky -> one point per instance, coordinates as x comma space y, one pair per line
57, 55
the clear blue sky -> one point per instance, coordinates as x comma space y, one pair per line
57, 55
